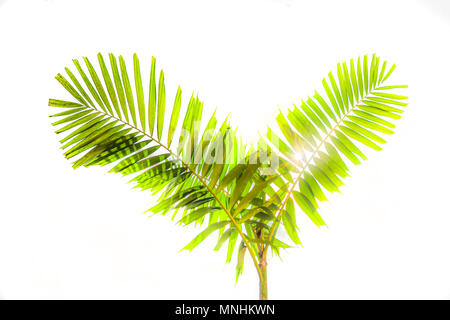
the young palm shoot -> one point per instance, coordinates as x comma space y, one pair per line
200, 168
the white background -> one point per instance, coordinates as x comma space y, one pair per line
81, 234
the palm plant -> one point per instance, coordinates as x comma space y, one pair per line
204, 173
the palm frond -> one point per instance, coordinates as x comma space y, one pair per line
204, 176
325, 132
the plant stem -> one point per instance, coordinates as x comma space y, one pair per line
263, 279
262, 263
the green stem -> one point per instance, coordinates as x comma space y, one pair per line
262, 263
263, 279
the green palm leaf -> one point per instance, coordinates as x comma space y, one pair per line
112, 126
358, 111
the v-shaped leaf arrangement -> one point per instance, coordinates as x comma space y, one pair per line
204, 173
